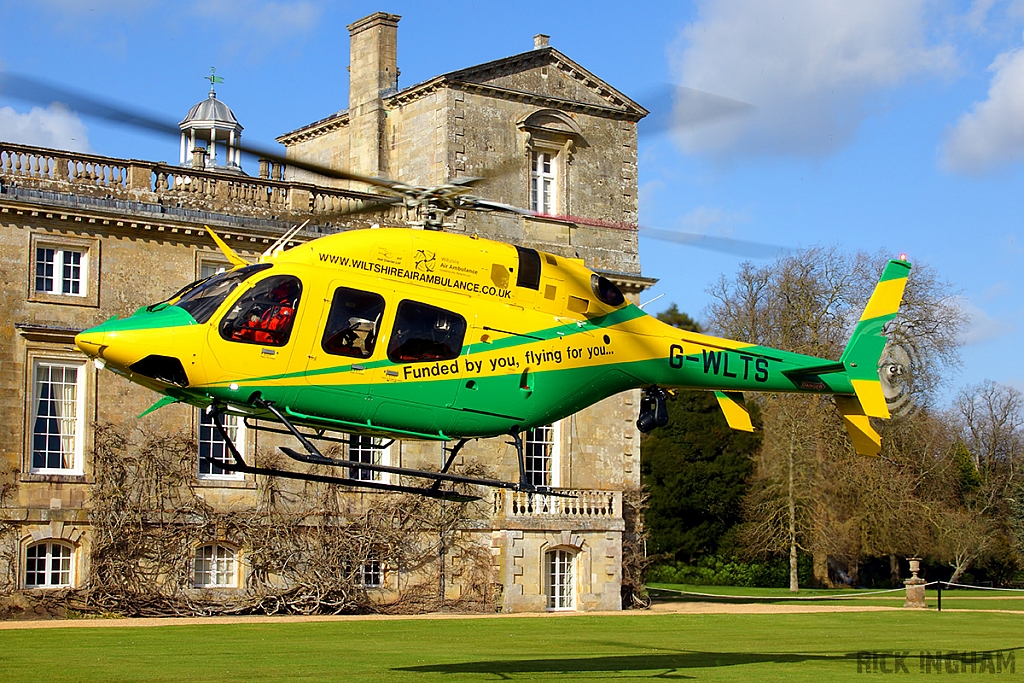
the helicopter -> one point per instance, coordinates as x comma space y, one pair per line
404, 333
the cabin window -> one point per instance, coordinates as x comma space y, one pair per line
353, 323
203, 298
425, 333
529, 268
265, 314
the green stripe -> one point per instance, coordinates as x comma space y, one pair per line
895, 270
170, 316
564, 330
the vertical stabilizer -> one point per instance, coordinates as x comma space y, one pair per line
868, 341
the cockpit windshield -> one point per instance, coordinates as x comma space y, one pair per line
202, 301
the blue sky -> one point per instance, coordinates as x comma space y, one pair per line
881, 125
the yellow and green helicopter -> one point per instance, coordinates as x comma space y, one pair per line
424, 334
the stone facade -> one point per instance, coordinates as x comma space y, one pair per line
137, 228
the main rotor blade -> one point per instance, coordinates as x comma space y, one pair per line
488, 205
726, 245
674, 107
40, 92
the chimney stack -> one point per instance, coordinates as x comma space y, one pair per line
373, 69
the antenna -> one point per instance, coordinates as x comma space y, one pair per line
651, 301
279, 246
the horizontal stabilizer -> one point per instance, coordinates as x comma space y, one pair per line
735, 410
871, 397
866, 441
815, 370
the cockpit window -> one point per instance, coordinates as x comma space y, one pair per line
203, 300
265, 314
425, 333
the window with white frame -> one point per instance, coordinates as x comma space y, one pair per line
369, 574
213, 450
542, 182
48, 565
216, 566
368, 449
61, 270
58, 394
560, 576
540, 451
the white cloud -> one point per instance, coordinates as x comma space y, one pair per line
992, 133
980, 326
807, 66
260, 28
53, 127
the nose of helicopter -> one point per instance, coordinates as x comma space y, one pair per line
123, 344
91, 342
109, 346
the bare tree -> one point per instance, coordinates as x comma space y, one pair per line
809, 491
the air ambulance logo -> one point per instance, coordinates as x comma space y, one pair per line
425, 260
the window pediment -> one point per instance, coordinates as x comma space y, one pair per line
550, 123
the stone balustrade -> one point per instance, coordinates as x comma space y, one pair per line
584, 504
171, 185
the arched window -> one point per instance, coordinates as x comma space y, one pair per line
216, 567
48, 565
560, 577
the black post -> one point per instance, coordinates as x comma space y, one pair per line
939, 587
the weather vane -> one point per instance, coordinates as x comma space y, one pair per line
214, 79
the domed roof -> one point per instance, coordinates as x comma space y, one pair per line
211, 111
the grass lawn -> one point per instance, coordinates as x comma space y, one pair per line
951, 599
724, 647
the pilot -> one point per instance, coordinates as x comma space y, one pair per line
270, 319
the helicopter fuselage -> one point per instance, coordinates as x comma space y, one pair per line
421, 334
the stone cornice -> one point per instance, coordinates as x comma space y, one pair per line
618, 105
49, 334
539, 100
96, 218
632, 283
316, 129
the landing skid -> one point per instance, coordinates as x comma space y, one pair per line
313, 456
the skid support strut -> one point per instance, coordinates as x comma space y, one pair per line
524, 480
313, 456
